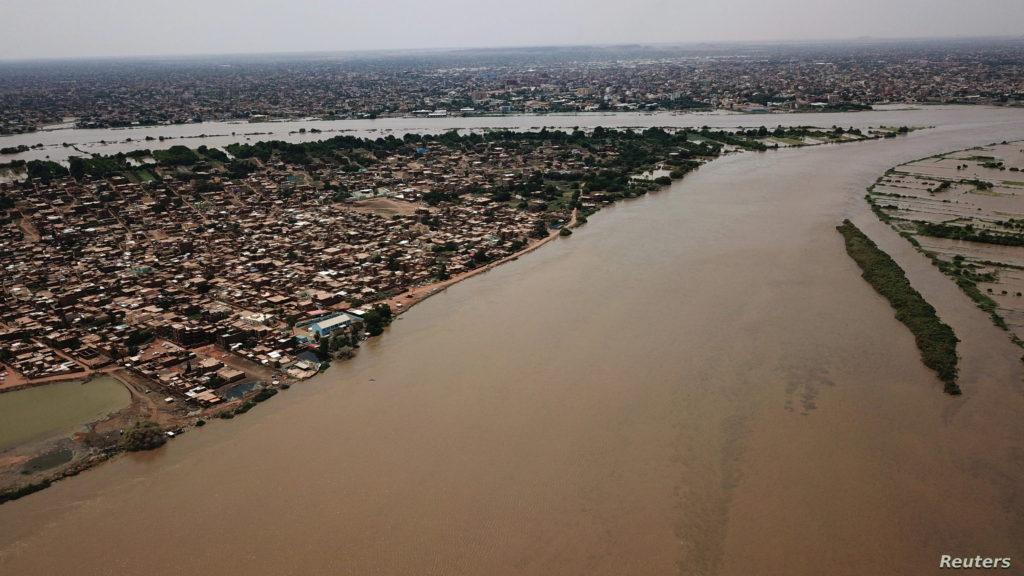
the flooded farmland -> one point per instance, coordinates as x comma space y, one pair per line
696, 382
966, 209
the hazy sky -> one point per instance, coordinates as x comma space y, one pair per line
85, 28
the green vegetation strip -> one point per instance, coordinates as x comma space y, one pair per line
261, 396
935, 339
16, 492
21, 491
969, 233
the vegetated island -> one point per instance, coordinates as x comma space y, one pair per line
935, 339
218, 277
964, 210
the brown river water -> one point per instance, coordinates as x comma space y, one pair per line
696, 382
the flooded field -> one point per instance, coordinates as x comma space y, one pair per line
60, 408
696, 382
966, 208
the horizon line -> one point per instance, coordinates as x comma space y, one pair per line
865, 39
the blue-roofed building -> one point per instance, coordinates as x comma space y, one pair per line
326, 326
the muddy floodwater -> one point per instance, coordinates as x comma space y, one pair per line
696, 382
54, 409
58, 145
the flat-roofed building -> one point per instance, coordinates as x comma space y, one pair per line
334, 323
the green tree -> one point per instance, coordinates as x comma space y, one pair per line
143, 435
540, 229
45, 170
377, 318
374, 323
384, 310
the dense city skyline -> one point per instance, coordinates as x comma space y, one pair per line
108, 28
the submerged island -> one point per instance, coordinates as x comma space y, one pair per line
934, 338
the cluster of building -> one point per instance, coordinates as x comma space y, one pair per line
169, 269
36, 360
558, 79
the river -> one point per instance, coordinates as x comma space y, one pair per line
696, 382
